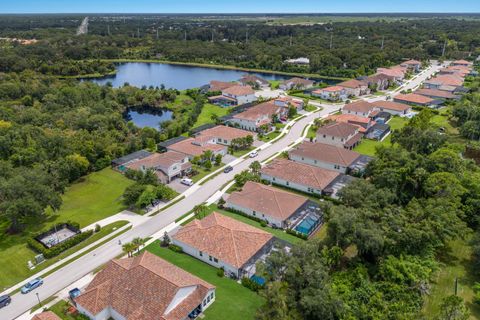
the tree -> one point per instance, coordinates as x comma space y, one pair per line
138, 243
165, 240
453, 308
146, 198
200, 210
255, 167
128, 248
292, 112
164, 192
208, 165
218, 159
276, 303
132, 193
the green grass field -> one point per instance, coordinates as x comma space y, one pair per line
96, 197
455, 263
368, 147
233, 301
207, 112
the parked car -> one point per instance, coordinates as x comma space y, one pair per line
5, 300
228, 169
74, 293
31, 285
186, 181
253, 154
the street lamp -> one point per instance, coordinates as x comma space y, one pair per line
38, 297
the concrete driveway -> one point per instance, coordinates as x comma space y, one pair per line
177, 186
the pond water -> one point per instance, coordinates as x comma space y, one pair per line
148, 117
173, 76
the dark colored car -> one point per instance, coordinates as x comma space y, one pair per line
228, 169
5, 301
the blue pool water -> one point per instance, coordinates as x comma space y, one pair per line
257, 279
308, 225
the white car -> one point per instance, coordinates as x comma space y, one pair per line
187, 182
253, 154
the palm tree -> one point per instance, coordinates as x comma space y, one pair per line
255, 167
199, 210
138, 243
128, 248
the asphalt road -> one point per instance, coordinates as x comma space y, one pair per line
86, 264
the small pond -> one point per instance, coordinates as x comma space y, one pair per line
148, 117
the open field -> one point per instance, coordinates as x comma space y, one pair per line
207, 112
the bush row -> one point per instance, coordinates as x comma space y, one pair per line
250, 284
175, 248
297, 234
56, 250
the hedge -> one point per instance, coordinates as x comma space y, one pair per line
250, 284
56, 250
297, 234
175, 248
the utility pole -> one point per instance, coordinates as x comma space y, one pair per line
444, 47
38, 297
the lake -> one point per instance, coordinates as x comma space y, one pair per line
148, 117
173, 76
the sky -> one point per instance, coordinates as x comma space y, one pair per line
237, 6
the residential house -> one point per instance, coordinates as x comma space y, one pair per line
296, 84
121, 163
360, 108
397, 72
394, 108
234, 95
224, 242
378, 131
223, 135
167, 166
298, 176
46, 315
437, 94
332, 93
463, 63
255, 117
327, 157
254, 81
298, 61
379, 81
275, 206
414, 99
444, 80
144, 287
287, 102
362, 122
412, 65
340, 134
192, 147
355, 88
216, 86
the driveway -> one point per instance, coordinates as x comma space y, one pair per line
228, 158
177, 186
269, 93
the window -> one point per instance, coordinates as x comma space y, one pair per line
263, 215
212, 295
204, 303
273, 179
174, 168
315, 161
224, 141
333, 138
324, 135
210, 258
341, 139
219, 140
215, 260
200, 253
288, 183
303, 158
208, 299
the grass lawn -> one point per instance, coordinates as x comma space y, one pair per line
180, 101
276, 232
202, 172
274, 84
15, 257
233, 301
456, 263
368, 147
310, 108
239, 153
95, 197
312, 132
60, 309
268, 137
207, 112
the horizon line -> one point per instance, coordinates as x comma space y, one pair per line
248, 13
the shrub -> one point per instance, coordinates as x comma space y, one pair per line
220, 272
297, 234
97, 228
250, 284
221, 203
263, 223
175, 248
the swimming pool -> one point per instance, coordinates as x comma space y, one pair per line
308, 224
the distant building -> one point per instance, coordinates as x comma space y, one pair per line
220, 85
296, 83
300, 61
355, 88
359, 108
463, 63
340, 134
394, 108
437, 94
417, 100
234, 95
412, 65
254, 81
332, 93
255, 117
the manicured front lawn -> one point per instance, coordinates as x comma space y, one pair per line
239, 153
233, 301
455, 263
202, 172
207, 112
280, 234
60, 309
268, 137
15, 257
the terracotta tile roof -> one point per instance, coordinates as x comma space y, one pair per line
359, 106
330, 89
220, 85
225, 132
391, 105
412, 62
300, 173
396, 72
353, 84
351, 142
326, 153
246, 79
142, 288
413, 98
364, 122
238, 90
447, 79
338, 129
462, 62
268, 200
379, 77
46, 315
165, 159
300, 81
263, 109
189, 147
224, 238
436, 93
